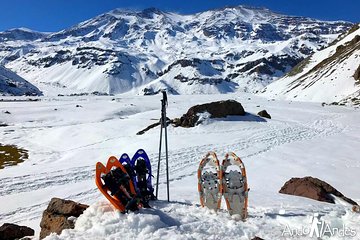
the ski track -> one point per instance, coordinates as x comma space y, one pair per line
269, 136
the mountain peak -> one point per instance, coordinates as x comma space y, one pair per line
150, 12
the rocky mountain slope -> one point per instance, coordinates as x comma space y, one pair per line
12, 84
217, 51
330, 75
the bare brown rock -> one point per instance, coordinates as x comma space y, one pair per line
218, 109
57, 216
313, 188
9, 231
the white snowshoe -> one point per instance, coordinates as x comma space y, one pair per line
234, 185
209, 182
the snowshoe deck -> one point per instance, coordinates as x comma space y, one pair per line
209, 182
235, 187
143, 174
126, 162
126, 191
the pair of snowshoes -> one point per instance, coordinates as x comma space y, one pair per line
139, 169
119, 181
215, 181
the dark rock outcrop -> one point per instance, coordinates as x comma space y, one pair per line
9, 231
218, 109
357, 75
257, 238
264, 114
58, 215
313, 188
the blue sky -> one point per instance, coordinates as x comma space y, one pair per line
55, 15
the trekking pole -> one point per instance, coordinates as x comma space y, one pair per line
163, 124
166, 152
158, 169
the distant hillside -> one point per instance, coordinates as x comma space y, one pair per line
12, 84
332, 74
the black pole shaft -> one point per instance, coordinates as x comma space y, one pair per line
167, 157
158, 169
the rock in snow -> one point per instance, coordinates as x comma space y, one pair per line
57, 216
218, 109
9, 231
313, 188
264, 114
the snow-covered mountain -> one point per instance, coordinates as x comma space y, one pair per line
215, 51
332, 74
13, 84
23, 34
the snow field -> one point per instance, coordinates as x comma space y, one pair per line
301, 139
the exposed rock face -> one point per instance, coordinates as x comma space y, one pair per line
56, 216
9, 231
313, 188
218, 109
264, 114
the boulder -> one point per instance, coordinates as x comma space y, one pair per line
264, 114
257, 238
313, 188
218, 109
60, 215
9, 231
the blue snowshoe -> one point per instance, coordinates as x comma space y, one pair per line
142, 167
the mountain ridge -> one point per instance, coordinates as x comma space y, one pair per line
235, 49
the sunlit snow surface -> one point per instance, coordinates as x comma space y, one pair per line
301, 139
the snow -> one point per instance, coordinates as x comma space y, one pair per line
301, 139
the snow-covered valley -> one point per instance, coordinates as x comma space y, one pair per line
66, 136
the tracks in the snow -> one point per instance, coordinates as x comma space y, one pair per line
263, 138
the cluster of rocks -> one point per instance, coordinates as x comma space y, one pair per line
59, 215
219, 109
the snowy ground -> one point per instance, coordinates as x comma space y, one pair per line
301, 139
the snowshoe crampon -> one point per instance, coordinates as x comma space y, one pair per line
209, 181
116, 185
235, 187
